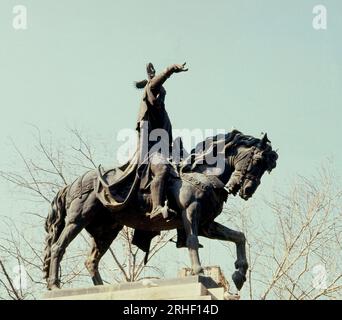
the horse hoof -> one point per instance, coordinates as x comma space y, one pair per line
197, 270
53, 287
239, 279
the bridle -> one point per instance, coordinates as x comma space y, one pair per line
243, 175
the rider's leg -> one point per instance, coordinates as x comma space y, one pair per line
160, 170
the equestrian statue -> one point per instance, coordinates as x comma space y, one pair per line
162, 187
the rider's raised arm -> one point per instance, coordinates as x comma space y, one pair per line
159, 79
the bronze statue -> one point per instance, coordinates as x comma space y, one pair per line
103, 202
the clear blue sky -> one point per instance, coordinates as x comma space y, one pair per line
257, 65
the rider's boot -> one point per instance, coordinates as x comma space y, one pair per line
157, 194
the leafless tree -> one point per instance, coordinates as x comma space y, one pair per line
295, 251
53, 167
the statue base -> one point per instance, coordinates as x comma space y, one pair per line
210, 286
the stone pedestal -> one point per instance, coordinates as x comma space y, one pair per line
211, 286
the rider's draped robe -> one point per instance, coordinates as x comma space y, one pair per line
152, 115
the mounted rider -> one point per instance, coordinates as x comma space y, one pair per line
155, 136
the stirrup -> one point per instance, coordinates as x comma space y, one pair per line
156, 212
165, 211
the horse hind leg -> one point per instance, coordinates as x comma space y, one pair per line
92, 264
79, 215
70, 231
100, 244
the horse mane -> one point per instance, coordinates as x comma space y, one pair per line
226, 143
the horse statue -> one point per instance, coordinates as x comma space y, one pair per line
196, 190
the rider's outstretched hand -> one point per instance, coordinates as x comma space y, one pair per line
180, 68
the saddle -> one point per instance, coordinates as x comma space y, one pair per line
115, 187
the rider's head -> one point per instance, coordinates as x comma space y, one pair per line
151, 72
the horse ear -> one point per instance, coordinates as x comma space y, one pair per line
264, 140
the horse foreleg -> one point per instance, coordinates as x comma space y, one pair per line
220, 232
190, 221
70, 231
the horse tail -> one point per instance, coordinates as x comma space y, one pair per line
54, 225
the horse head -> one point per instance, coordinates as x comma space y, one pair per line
251, 158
